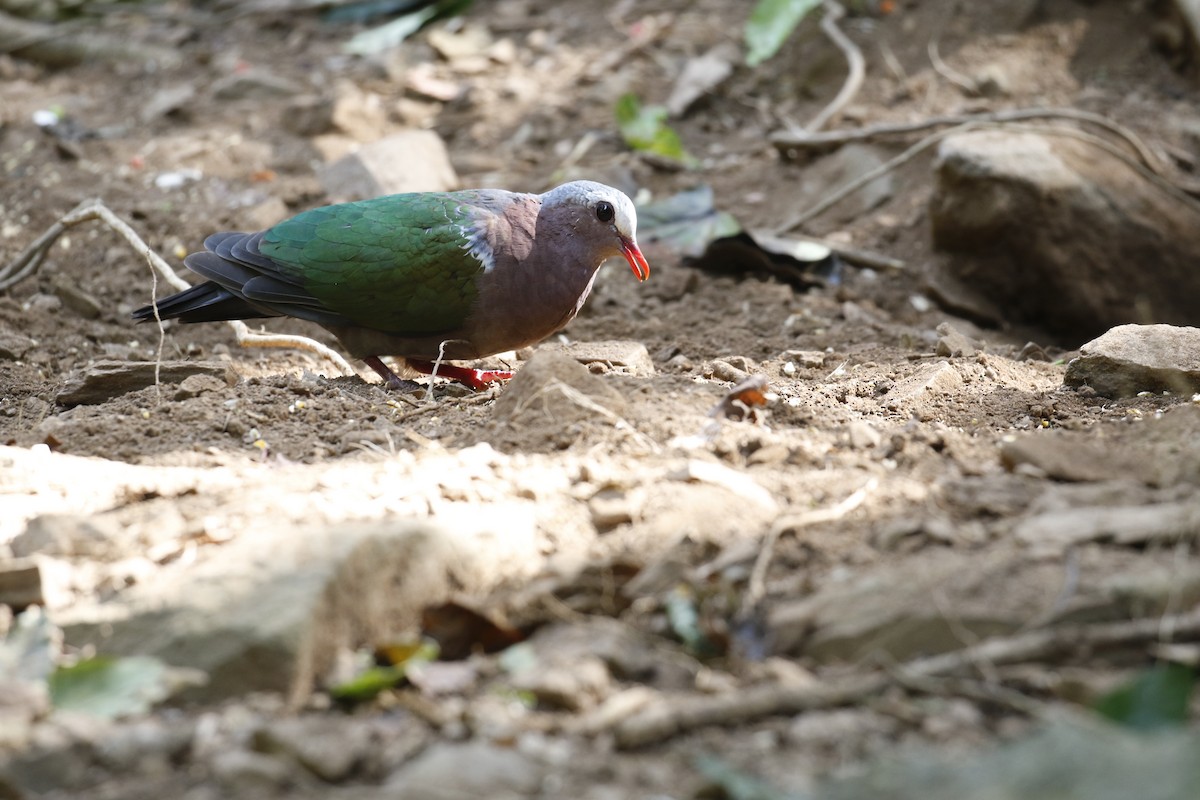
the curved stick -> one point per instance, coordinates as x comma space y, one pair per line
854, 61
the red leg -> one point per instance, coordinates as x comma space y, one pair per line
477, 379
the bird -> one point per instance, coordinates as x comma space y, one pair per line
420, 276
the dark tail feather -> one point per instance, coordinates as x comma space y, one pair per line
205, 302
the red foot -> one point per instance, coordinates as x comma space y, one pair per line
477, 379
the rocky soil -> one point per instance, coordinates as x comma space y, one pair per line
732, 535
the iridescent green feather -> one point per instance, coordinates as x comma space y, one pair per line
395, 263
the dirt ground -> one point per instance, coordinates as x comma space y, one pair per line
863, 402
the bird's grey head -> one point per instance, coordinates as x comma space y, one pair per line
603, 216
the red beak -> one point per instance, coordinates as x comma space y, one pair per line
637, 261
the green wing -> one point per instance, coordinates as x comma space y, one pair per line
398, 264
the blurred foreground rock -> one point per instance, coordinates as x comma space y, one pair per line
1065, 761
1061, 234
271, 609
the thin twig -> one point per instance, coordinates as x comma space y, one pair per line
67, 43
944, 69
28, 260
853, 186
756, 589
1146, 171
982, 691
1070, 586
470, 400
785, 140
248, 338
868, 258
665, 719
855, 63
893, 63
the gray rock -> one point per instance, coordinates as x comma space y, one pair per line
168, 100
146, 745
395, 739
59, 758
194, 385
451, 771
610, 508
555, 393
953, 343
627, 356
935, 380
330, 747
862, 435
575, 683
76, 299
1059, 233
359, 113
612, 648
723, 370
13, 345
1139, 358
243, 773
809, 359
411, 161
105, 380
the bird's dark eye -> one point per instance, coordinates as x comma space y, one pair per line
605, 211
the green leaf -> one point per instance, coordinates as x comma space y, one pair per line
770, 25
392, 34
115, 687
373, 680
1156, 698
368, 684
645, 129
684, 617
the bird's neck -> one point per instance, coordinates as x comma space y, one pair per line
533, 291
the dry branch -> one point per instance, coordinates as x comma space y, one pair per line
671, 717
798, 140
66, 44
